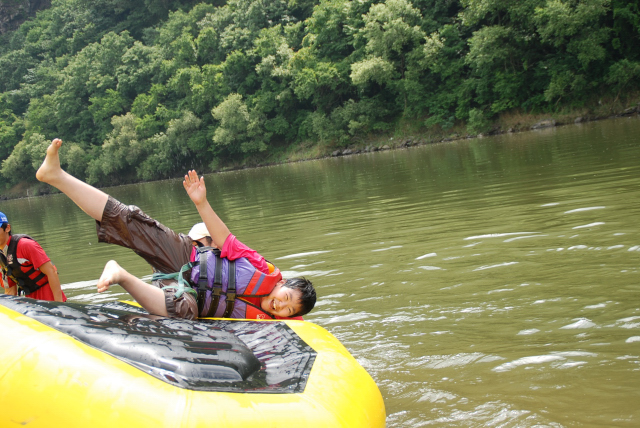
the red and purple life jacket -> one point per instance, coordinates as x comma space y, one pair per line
226, 285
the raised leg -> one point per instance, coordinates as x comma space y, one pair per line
90, 200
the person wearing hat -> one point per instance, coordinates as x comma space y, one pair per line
168, 252
25, 266
201, 236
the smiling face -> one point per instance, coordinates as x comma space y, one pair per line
282, 301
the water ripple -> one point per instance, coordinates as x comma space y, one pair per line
495, 266
388, 248
298, 255
583, 209
426, 255
580, 323
497, 235
527, 361
598, 223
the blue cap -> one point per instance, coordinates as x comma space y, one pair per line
3, 219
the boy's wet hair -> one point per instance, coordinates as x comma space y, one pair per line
308, 294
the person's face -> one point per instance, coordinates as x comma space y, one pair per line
4, 235
206, 241
282, 301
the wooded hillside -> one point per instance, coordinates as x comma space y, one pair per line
144, 90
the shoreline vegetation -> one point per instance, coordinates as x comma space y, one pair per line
143, 91
512, 123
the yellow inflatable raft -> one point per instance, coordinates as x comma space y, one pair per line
113, 365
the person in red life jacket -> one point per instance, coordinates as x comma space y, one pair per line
26, 268
254, 286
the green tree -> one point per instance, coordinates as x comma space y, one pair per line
119, 155
11, 129
625, 23
103, 108
88, 77
444, 60
623, 74
240, 130
575, 30
141, 89
139, 68
183, 146
393, 43
25, 158
274, 102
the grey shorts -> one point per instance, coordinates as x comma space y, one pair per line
165, 250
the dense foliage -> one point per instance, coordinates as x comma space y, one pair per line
144, 90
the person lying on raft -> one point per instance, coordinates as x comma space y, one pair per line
237, 282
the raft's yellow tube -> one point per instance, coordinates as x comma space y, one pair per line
49, 379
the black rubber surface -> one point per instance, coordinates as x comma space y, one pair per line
203, 355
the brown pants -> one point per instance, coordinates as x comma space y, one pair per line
165, 250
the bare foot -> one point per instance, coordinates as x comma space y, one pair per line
110, 275
50, 167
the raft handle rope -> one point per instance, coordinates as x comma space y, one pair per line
179, 276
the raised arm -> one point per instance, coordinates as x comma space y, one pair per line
197, 191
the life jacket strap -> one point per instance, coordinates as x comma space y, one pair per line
202, 281
216, 292
23, 285
36, 279
231, 290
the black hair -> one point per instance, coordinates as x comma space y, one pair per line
4, 227
308, 294
208, 243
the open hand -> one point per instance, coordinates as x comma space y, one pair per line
195, 187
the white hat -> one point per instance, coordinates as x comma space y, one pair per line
198, 231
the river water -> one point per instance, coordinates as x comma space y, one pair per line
484, 282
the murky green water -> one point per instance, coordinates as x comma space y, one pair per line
491, 282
